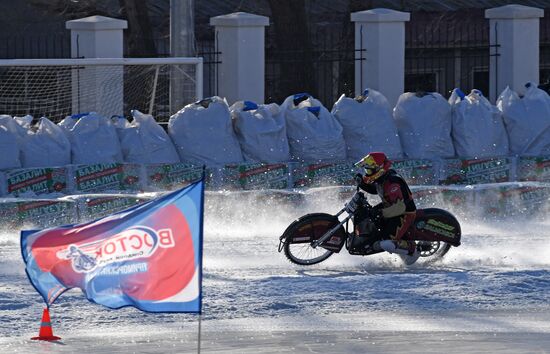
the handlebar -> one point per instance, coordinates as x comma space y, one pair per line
328, 234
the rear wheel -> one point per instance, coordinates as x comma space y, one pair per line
298, 237
433, 249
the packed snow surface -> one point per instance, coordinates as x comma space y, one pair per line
491, 294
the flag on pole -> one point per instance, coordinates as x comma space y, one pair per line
148, 256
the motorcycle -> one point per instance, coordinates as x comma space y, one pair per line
313, 238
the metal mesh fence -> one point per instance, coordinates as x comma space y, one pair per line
448, 50
59, 91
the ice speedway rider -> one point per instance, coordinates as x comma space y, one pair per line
397, 211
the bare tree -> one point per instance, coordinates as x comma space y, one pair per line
293, 47
139, 33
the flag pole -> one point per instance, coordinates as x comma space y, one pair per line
199, 337
203, 177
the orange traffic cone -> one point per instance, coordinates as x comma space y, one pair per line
46, 332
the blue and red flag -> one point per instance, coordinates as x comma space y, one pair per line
148, 256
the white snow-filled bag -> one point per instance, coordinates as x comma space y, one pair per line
203, 133
120, 123
144, 140
478, 128
261, 131
70, 121
423, 123
368, 125
93, 139
11, 138
527, 120
24, 121
313, 132
47, 147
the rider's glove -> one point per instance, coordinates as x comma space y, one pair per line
353, 204
351, 207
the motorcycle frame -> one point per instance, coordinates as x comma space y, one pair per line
331, 232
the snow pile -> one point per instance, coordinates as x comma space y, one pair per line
368, 125
424, 124
527, 120
478, 129
144, 140
93, 139
202, 133
313, 132
261, 131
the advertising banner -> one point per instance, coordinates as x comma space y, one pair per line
323, 174
490, 170
426, 196
165, 177
8, 213
534, 169
37, 180
256, 176
46, 213
503, 200
18, 212
416, 172
107, 177
3, 186
94, 206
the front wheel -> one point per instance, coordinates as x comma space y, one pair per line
304, 254
297, 239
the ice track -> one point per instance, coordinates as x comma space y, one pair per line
494, 290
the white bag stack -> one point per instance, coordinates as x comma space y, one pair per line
313, 132
261, 131
527, 120
368, 125
144, 140
424, 125
203, 134
25, 122
47, 147
93, 139
10, 143
478, 129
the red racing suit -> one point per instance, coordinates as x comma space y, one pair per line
398, 210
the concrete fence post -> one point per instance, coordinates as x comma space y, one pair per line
240, 38
381, 34
95, 88
514, 41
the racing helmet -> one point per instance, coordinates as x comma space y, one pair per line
375, 165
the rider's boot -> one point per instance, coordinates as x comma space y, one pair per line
413, 254
407, 250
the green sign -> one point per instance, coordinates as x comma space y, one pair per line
37, 180
323, 174
171, 176
416, 172
490, 170
107, 177
91, 207
534, 169
256, 176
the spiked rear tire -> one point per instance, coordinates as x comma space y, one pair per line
433, 250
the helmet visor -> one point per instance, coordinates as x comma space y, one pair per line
369, 165
369, 170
